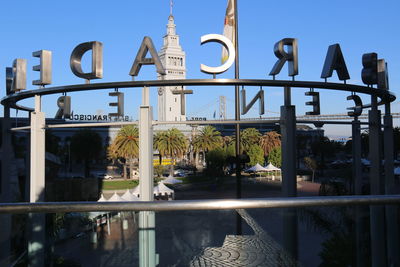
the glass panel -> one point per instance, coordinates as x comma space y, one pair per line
318, 236
71, 239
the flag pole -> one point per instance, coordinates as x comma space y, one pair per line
237, 118
236, 47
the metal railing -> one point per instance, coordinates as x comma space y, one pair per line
208, 204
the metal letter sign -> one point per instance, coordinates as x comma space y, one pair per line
19, 75
228, 46
358, 108
369, 73
334, 61
383, 78
44, 67
64, 107
259, 95
182, 93
146, 46
314, 103
9, 80
290, 56
119, 104
97, 60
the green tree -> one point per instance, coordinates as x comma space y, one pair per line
208, 139
275, 157
86, 145
248, 137
126, 146
256, 155
227, 141
216, 161
269, 141
311, 164
171, 143
159, 170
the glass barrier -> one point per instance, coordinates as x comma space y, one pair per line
312, 236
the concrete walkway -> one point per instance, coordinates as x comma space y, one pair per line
245, 250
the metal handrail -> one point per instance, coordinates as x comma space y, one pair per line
208, 204
384, 95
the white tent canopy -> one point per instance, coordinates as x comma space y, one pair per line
136, 191
256, 168
271, 167
162, 189
159, 190
102, 199
171, 180
115, 198
128, 196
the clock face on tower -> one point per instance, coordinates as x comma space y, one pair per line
160, 91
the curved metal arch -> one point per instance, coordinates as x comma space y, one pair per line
384, 95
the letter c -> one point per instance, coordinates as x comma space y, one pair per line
227, 44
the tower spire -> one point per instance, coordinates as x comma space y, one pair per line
171, 4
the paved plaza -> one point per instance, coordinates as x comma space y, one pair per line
259, 249
200, 238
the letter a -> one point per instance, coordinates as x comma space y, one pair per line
146, 46
334, 61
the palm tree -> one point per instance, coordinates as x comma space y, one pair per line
126, 145
171, 143
248, 137
208, 139
269, 141
226, 141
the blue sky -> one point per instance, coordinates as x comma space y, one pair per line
358, 26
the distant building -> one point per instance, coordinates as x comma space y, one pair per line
174, 60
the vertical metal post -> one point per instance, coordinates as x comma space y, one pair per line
377, 212
147, 238
289, 183
36, 244
356, 149
37, 153
357, 178
5, 194
237, 118
108, 224
392, 232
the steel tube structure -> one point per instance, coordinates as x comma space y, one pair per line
384, 95
106, 124
288, 126
209, 204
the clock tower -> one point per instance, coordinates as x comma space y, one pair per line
173, 59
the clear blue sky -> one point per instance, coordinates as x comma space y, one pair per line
359, 26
